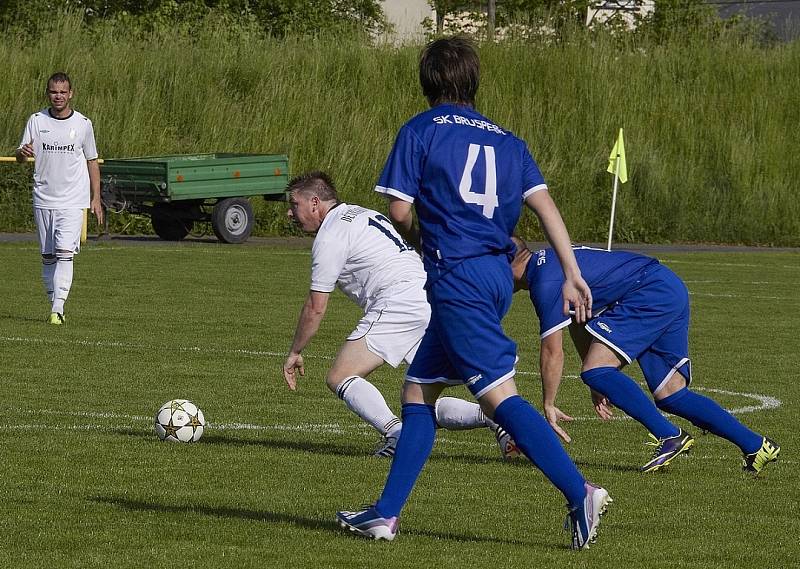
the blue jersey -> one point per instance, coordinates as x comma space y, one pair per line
610, 275
467, 178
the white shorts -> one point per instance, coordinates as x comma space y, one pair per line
395, 324
59, 229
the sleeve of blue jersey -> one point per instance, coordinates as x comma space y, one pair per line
532, 178
547, 301
403, 169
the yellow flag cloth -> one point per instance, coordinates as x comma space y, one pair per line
618, 153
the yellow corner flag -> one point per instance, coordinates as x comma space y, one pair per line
618, 154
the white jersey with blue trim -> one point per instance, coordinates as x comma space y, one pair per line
610, 274
358, 250
467, 178
61, 148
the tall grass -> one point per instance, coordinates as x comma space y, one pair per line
709, 126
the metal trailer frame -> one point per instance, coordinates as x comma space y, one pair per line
177, 191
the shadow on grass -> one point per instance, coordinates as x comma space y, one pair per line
320, 447
588, 464
18, 317
265, 442
283, 518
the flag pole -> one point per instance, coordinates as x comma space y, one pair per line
613, 202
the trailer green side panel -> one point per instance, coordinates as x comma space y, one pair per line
197, 177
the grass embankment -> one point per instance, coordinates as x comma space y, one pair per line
711, 150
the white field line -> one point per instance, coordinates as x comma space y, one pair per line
192, 248
728, 282
668, 261
713, 294
136, 346
330, 428
765, 402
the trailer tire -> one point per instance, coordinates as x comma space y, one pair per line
168, 224
232, 220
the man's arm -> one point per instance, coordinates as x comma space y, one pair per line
575, 290
551, 366
94, 185
583, 341
402, 216
307, 325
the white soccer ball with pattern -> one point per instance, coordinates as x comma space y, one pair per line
180, 421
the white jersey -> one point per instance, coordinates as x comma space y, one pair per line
61, 148
359, 250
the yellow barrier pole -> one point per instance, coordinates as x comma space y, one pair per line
14, 159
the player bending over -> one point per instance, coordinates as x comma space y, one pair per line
641, 313
358, 249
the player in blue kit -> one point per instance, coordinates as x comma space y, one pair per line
641, 313
467, 179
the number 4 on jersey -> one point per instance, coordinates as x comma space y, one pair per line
488, 199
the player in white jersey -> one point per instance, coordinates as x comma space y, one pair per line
66, 180
358, 250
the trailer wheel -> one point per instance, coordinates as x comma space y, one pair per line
232, 220
169, 224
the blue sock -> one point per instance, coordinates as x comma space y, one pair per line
537, 440
623, 392
708, 415
413, 449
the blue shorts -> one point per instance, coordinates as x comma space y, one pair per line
650, 324
464, 342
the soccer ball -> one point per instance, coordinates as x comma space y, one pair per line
180, 421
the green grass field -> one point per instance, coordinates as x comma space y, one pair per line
85, 482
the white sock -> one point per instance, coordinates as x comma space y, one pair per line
48, 269
458, 414
364, 399
62, 281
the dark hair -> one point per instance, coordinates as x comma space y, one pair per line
449, 71
316, 183
59, 77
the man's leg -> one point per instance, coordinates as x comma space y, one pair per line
600, 372
676, 398
62, 279
537, 441
535, 438
67, 225
48, 270
456, 414
353, 363
413, 448
43, 219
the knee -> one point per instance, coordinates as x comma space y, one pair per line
48, 258
595, 376
667, 402
675, 384
334, 381
62, 255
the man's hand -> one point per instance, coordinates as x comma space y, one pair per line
602, 406
97, 209
554, 415
292, 365
24, 152
578, 295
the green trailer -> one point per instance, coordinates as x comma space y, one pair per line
181, 190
